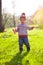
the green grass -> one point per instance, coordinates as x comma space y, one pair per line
9, 49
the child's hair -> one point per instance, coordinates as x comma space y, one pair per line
23, 13
23, 16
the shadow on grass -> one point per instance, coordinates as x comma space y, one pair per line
17, 60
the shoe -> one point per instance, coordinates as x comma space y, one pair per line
28, 49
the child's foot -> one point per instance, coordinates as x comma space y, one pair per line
28, 50
20, 52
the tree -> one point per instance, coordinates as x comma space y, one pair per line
38, 18
1, 25
7, 20
14, 21
13, 7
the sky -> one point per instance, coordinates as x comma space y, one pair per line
18, 6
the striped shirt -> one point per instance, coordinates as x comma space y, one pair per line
22, 29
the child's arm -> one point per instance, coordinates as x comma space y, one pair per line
15, 30
30, 28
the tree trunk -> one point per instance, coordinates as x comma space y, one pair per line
1, 25
14, 21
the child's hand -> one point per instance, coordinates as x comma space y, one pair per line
14, 30
32, 27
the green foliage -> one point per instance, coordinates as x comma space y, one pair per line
9, 49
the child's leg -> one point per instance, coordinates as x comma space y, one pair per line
20, 44
28, 47
27, 43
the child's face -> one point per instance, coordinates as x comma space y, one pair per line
22, 20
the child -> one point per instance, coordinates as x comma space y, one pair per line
22, 32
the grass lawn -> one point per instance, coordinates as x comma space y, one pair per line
9, 49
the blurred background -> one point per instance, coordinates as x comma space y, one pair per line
12, 9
